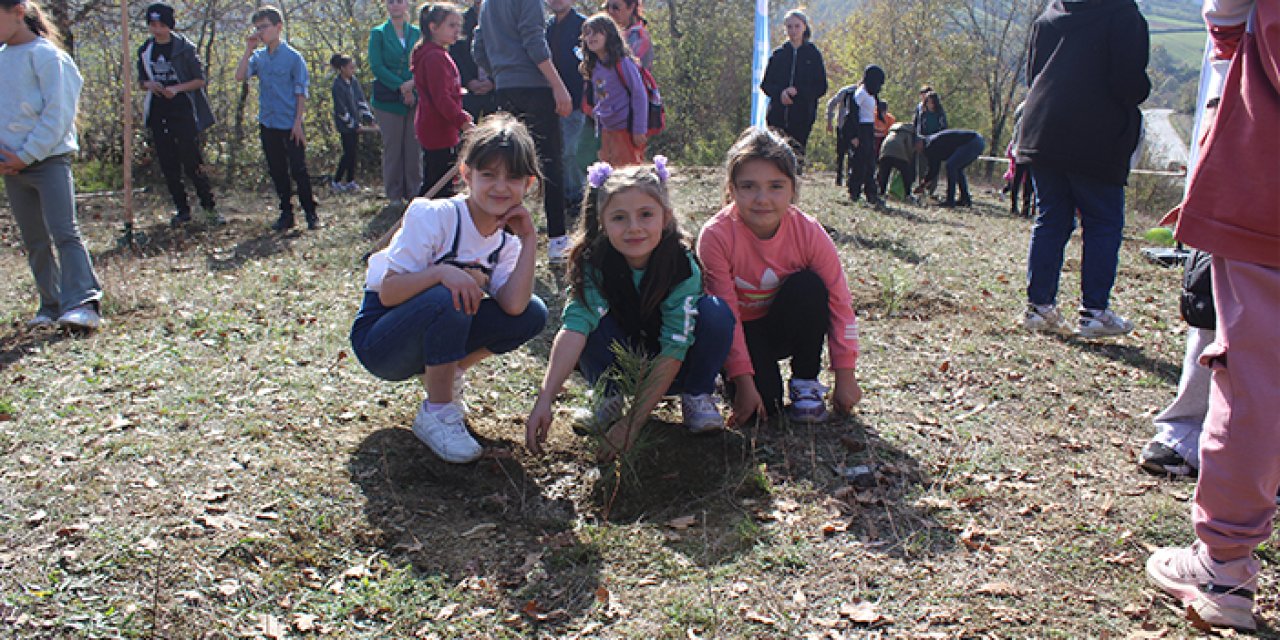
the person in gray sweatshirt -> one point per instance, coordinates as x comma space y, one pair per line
176, 110
510, 44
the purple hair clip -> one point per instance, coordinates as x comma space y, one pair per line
660, 167
598, 173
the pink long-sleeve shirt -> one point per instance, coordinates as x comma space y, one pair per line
746, 272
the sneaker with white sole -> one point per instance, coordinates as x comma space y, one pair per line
558, 250
1221, 593
1042, 317
808, 401
605, 411
1101, 323
1160, 459
84, 317
446, 434
700, 413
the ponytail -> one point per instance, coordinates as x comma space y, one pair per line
35, 20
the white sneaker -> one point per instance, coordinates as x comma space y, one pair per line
558, 250
446, 434
701, 415
1101, 323
808, 402
83, 317
1042, 317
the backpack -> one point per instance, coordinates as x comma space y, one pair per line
657, 112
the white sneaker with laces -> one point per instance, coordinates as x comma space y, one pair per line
83, 317
558, 250
1221, 593
1102, 323
701, 415
446, 434
808, 401
1042, 317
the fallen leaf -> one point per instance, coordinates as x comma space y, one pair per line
759, 618
863, 612
73, 531
270, 627
602, 594
682, 523
357, 571
228, 587
534, 610
1000, 588
799, 599
37, 517
479, 529
304, 622
446, 612
1136, 611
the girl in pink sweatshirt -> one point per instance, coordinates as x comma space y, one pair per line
779, 271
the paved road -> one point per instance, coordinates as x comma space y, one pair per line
1165, 147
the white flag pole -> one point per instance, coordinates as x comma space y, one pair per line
759, 57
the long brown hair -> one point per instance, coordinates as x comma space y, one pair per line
614, 46
637, 308
36, 21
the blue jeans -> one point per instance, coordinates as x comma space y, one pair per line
574, 178
397, 343
702, 362
957, 162
1059, 195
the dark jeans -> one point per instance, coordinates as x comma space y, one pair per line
712, 336
285, 158
435, 164
177, 145
1059, 195
536, 108
397, 343
957, 162
795, 327
906, 169
346, 171
862, 167
844, 142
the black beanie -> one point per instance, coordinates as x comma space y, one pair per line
873, 79
162, 13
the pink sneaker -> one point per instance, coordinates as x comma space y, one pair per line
1221, 593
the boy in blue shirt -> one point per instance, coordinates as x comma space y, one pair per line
282, 101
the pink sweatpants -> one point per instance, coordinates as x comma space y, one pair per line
1240, 444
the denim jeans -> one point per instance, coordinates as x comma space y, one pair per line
1059, 195
957, 162
702, 362
574, 178
397, 343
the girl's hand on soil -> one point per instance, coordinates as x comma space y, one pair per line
520, 222
638, 139
616, 441
537, 426
746, 402
847, 392
466, 293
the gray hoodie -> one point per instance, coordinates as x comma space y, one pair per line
510, 42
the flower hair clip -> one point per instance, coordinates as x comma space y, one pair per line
598, 173
660, 167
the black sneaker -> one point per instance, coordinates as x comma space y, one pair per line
1161, 460
284, 223
180, 218
313, 222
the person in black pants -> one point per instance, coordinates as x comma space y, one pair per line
958, 148
795, 79
796, 328
176, 110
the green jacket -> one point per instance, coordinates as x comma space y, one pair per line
389, 61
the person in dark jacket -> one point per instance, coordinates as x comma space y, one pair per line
479, 100
958, 148
176, 110
351, 113
795, 79
1087, 73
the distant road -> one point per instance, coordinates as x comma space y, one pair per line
1165, 146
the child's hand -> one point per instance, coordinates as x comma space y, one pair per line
466, 293
520, 222
253, 41
11, 163
847, 392
788, 95
617, 440
746, 402
638, 139
537, 426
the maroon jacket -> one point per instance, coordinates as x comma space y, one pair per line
1232, 207
439, 116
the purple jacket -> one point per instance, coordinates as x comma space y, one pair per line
611, 101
